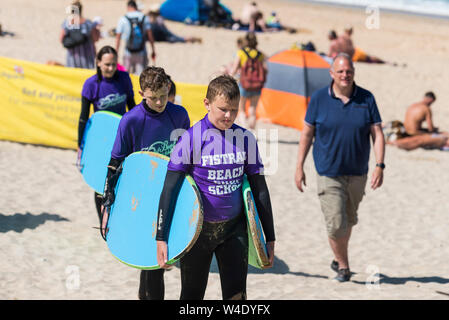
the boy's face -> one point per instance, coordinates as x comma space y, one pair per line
222, 112
156, 100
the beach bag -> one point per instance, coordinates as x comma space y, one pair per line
253, 74
75, 36
136, 40
394, 130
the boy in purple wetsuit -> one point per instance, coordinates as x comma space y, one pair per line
147, 127
216, 153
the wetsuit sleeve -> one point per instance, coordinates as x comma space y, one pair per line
172, 185
113, 165
84, 116
186, 124
111, 181
263, 203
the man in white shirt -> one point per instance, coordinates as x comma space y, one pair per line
135, 59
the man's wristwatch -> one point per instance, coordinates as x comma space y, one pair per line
380, 165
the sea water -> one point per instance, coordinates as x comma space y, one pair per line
438, 8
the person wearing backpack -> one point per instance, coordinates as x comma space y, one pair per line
134, 29
78, 36
253, 71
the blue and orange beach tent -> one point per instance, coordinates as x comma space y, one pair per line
293, 75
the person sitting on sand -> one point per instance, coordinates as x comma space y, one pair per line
257, 23
340, 44
248, 11
334, 45
345, 42
418, 113
426, 141
346, 45
252, 19
411, 134
273, 23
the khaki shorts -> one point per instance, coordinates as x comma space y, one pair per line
339, 198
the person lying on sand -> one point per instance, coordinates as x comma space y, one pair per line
411, 134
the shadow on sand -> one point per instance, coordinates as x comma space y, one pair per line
279, 267
19, 221
384, 279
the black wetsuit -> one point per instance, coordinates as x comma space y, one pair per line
227, 239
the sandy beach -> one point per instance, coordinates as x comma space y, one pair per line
50, 250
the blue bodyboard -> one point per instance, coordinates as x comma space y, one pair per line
257, 250
98, 140
133, 217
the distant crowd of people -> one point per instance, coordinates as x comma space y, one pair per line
134, 30
252, 19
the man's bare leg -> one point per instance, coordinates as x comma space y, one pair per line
421, 141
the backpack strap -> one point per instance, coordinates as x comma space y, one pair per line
142, 27
139, 22
249, 57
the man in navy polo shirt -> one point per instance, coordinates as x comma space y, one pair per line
342, 117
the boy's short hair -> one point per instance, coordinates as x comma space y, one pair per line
223, 85
153, 78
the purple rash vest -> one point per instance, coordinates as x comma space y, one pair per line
217, 161
110, 94
142, 130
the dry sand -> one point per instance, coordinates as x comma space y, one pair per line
49, 249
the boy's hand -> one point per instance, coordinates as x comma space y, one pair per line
162, 254
78, 158
104, 221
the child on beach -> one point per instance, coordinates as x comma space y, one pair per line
147, 127
216, 153
108, 90
249, 52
